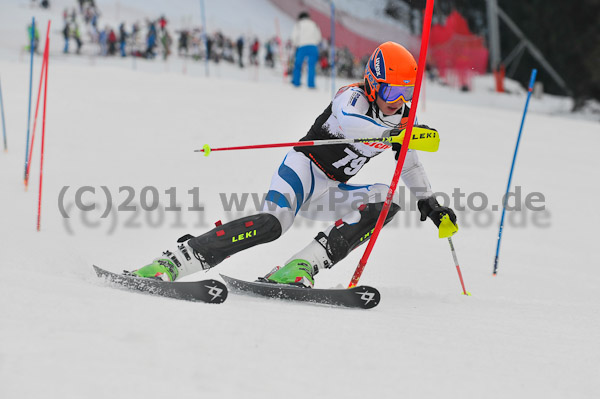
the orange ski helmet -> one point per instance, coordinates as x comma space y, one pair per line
390, 73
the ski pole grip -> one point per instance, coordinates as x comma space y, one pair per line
446, 227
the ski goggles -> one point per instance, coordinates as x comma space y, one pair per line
392, 93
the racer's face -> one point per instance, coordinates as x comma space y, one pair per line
388, 108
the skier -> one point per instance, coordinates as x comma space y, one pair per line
310, 177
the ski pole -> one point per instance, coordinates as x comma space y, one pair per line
423, 139
405, 146
462, 283
3, 122
512, 168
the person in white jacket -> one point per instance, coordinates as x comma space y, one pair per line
306, 37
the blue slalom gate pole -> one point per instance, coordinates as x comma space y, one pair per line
204, 38
332, 50
32, 33
3, 122
512, 168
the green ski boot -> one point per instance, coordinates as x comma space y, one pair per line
161, 268
296, 272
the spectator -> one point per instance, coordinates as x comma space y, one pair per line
162, 22
122, 39
254, 52
151, 40
134, 40
305, 38
66, 34
103, 40
166, 41
76, 34
209, 49
240, 50
269, 60
112, 42
228, 51
182, 48
35, 34
94, 19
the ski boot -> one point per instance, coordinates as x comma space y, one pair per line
173, 265
329, 247
301, 269
297, 272
159, 269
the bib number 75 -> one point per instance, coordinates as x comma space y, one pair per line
351, 161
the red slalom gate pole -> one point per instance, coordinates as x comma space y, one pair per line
37, 106
411, 120
39, 215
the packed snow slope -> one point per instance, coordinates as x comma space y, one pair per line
530, 332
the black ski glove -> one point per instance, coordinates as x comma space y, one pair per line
429, 207
397, 146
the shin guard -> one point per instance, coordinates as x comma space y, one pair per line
344, 237
230, 238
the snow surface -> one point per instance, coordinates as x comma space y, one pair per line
530, 332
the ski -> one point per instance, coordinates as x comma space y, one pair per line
210, 291
363, 297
